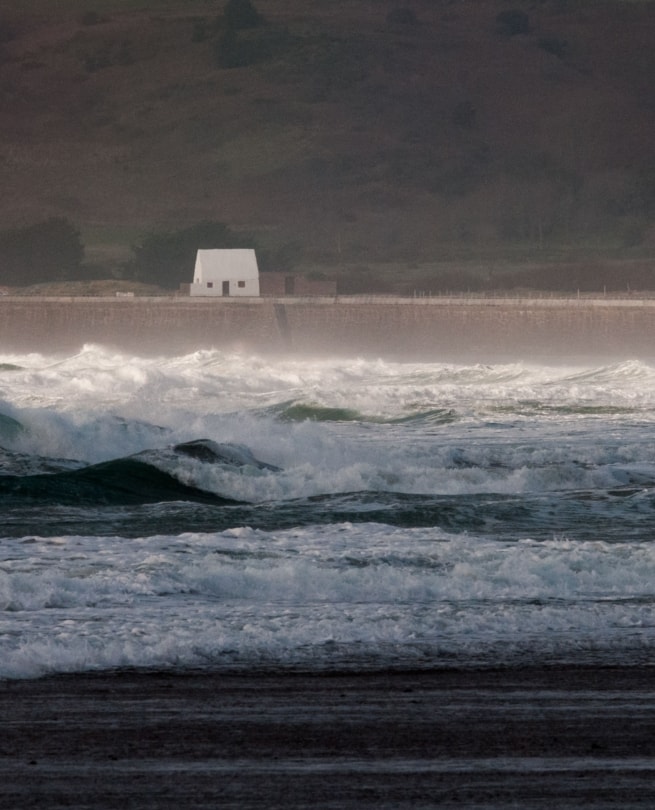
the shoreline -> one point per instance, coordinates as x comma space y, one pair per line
532, 738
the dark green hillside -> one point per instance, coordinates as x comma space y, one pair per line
359, 132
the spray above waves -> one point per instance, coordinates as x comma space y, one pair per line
376, 388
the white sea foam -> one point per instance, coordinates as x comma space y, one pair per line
342, 594
100, 405
236, 381
367, 594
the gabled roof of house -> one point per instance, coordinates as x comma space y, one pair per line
224, 263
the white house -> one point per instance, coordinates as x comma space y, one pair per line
225, 273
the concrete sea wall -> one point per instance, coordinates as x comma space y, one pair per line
448, 329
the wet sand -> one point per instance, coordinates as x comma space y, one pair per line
533, 738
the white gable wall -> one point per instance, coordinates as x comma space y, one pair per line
225, 273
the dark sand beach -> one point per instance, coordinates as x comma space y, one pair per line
531, 738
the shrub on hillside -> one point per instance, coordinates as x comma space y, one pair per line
554, 45
167, 259
280, 259
513, 22
241, 14
46, 251
201, 30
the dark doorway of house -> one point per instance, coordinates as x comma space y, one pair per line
226, 288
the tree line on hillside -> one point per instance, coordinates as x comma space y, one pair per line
44, 251
53, 250
167, 258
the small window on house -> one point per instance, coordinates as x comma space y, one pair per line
241, 283
210, 284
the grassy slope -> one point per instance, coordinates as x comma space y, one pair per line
364, 141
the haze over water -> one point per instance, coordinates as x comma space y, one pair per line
336, 514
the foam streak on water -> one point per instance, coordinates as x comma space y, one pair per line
403, 515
